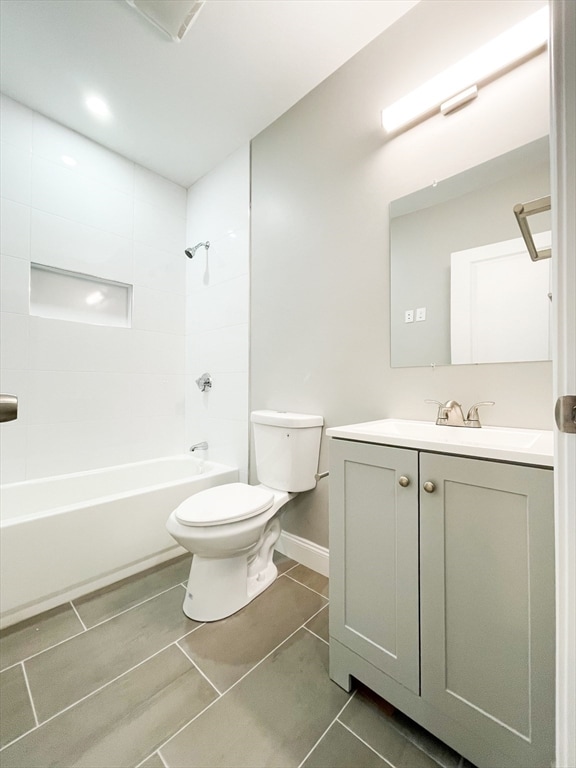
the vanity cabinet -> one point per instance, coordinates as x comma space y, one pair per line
442, 600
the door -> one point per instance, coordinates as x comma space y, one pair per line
374, 555
563, 146
500, 303
487, 601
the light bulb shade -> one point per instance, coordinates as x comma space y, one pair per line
507, 50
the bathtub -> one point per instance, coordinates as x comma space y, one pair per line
62, 537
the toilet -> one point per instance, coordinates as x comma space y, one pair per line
232, 529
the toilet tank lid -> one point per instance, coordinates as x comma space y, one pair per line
224, 504
286, 419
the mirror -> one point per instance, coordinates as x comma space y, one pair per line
462, 286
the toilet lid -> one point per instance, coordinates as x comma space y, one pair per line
224, 504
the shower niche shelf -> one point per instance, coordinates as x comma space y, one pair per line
58, 294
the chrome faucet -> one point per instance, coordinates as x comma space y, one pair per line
450, 414
199, 447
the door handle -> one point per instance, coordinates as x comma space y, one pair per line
565, 413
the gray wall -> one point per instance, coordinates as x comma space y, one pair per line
323, 176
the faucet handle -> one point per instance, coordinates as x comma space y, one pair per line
473, 412
442, 410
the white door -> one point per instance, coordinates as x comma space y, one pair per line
563, 135
500, 303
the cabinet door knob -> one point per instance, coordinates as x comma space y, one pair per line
404, 481
429, 486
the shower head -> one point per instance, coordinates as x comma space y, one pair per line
191, 251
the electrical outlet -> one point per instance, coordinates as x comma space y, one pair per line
420, 314
409, 316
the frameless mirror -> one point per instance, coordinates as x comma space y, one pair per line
462, 286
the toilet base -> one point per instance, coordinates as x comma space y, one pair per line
219, 587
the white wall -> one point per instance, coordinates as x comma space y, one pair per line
217, 290
323, 176
90, 396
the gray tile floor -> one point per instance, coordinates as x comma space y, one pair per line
122, 678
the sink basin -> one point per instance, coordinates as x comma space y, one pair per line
527, 446
497, 436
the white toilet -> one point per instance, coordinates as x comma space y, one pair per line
231, 529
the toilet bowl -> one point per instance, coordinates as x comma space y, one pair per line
232, 529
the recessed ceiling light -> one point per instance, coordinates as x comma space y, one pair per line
98, 107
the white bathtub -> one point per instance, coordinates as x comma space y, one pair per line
61, 537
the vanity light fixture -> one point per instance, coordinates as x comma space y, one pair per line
459, 84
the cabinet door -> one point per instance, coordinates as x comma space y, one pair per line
487, 601
374, 556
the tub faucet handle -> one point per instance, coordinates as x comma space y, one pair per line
204, 382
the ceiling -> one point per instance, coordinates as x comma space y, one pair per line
179, 108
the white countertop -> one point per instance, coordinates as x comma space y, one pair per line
523, 446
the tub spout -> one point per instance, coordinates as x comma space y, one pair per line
199, 447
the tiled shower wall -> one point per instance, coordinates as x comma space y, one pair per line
217, 300
90, 396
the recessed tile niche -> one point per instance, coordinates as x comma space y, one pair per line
61, 295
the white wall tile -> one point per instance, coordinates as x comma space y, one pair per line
15, 173
157, 353
65, 192
15, 229
160, 311
67, 244
56, 397
197, 417
14, 341
229, 256
219, 202
67, 346
228, 303
54, 142
163, 270
159, 192
90, 396
157, 395
228, 397
227, 349
13, 437
228, 442
14, 284
76, 446
158, 228
15, 123
155, 436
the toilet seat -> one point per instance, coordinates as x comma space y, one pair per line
224, 504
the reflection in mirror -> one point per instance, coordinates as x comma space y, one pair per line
460, 267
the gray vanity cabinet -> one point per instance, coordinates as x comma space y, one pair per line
443, 601
374, 542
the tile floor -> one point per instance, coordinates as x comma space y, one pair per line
122, 678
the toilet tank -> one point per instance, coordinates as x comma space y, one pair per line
287, 448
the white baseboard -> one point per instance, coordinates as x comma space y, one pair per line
307, 552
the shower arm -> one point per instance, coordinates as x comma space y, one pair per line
191, 251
